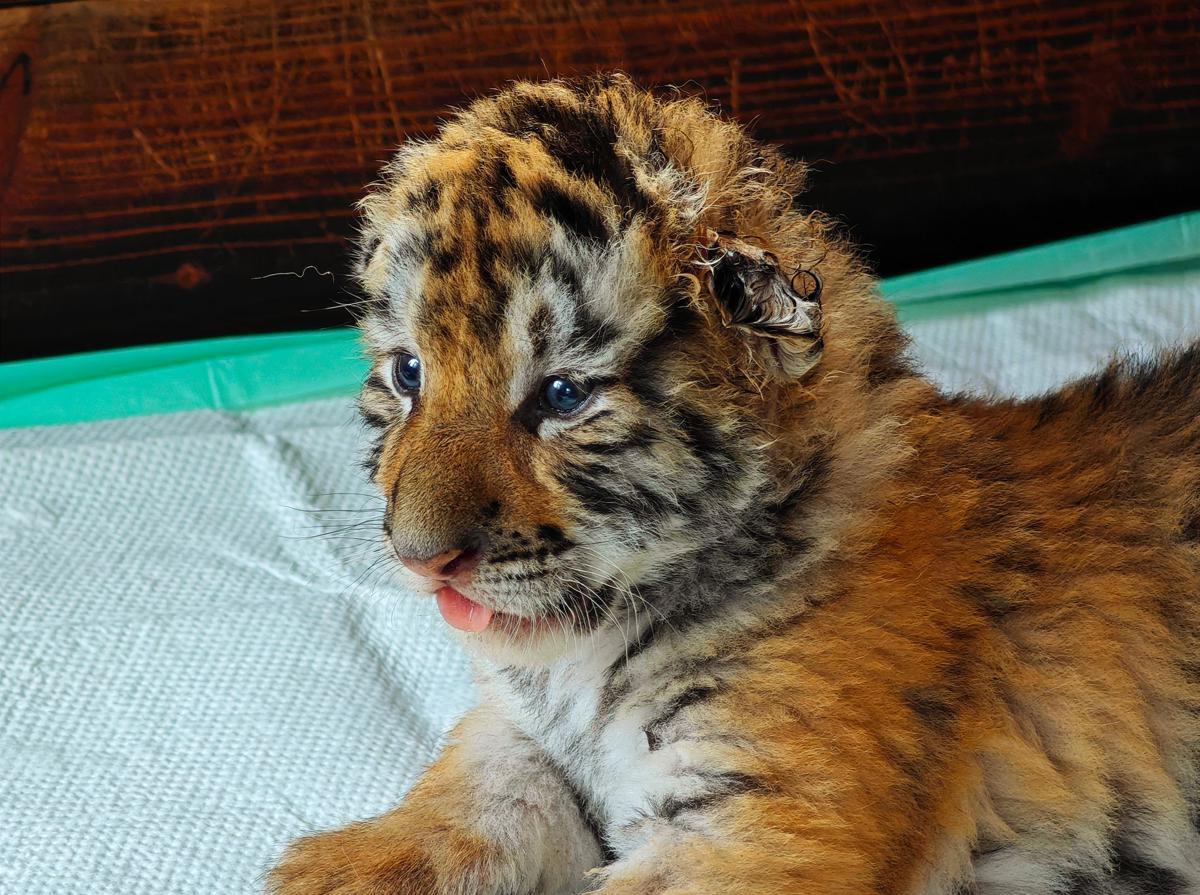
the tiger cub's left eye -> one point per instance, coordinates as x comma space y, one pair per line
562, 396
406, 371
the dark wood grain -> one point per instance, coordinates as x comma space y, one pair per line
160, 159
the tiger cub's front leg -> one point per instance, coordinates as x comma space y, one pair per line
490, 816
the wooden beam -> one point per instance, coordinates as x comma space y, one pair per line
159, 156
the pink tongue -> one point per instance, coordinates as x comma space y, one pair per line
462, 613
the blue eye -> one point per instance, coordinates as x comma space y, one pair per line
562, 396
406, 370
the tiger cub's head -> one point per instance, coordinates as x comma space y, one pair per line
604, 335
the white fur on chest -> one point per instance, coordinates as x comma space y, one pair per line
607, 759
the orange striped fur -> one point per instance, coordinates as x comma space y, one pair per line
768, 612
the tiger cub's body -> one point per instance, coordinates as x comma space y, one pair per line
754, 608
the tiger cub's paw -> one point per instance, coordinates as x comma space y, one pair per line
369, 859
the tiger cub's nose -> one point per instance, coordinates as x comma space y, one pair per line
447, 565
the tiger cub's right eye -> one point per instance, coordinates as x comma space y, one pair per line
406, 373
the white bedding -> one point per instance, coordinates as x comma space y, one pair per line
189, 678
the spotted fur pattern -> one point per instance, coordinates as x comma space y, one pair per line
757, 632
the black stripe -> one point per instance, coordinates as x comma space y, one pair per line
531, 553
936, 709
503, 176
523, 576
596, 417
520, 256
529, 682
487, 253
583, 803
680, 321
617, 684
1189, 526
427, 198
811, 477
640, 436
586, 481
702, 435
496, 179
992, 602
373, 419
541, 326
432, 320
1140, 875
376, 381
529, 115
641, 376
371, 463
645, 387
658, 504
611, 448
886, 361
588, 330
582, 608
564, 272
709, 444
1020, 558
370, 244
415, 245
677, 704
644, 640
529, 414
481, 216
574, 214
724, 786
599, 499
584, 484
445, 256
487, 315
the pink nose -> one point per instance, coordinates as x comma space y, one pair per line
447, 565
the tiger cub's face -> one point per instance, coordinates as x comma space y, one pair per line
560, 415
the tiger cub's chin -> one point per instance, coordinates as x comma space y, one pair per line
510, 640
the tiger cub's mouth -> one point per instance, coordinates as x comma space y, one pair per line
464, 614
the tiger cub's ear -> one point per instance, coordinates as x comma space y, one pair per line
777, 309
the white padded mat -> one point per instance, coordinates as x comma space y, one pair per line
188, 679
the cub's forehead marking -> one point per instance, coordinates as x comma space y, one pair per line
537, 331
502, 247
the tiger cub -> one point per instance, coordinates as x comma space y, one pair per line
753, 607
